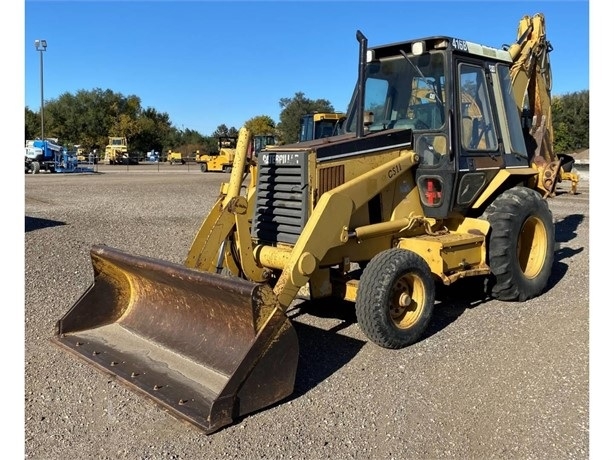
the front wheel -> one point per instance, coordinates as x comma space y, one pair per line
395, 298
203, 167
520, 244
36, 167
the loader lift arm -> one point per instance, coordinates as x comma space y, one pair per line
326, 228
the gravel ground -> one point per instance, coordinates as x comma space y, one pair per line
490, 379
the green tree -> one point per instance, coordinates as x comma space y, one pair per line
90, 117
210, 145
570, 120
32, 122
192, 141
221, 131
292, 111
261, 125
152, 131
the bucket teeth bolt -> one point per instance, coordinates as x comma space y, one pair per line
157, 387
182, 402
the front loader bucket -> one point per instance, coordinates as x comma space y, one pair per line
207, 348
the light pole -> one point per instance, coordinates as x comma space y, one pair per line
41, 45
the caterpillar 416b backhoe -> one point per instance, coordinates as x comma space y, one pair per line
438, 175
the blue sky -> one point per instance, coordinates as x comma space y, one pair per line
206, 63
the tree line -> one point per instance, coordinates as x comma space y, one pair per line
570, 120
88, 118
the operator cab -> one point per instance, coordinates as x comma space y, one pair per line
320, 125
455, 96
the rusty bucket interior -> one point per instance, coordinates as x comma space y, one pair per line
207, 348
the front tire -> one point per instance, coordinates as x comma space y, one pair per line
395, 298
203, 167
520, 244
36, 167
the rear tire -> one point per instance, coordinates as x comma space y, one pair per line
203, 167
395, 298
520, 244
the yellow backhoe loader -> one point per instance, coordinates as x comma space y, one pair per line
416, 192
320, 124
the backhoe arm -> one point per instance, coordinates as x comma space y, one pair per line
532, 80
531, 72
531, 76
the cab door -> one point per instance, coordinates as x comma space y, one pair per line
478, 139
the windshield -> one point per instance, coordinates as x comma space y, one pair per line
402, 94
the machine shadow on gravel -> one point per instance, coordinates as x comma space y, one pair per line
318, 363
564, 231
36, 223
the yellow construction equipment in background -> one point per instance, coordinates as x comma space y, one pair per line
175, 158
320, 124
222, 160
116, 152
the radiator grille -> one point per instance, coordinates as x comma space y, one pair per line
281, 206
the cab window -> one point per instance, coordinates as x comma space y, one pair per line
478, 127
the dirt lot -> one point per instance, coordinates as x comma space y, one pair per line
489, 380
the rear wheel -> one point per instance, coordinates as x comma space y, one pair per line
520, 244
203, 167
395, 298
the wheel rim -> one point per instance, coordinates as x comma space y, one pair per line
532, 247
407, 303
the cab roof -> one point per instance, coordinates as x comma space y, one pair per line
455, 45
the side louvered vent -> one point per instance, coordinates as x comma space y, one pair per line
281, 198
329, 178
